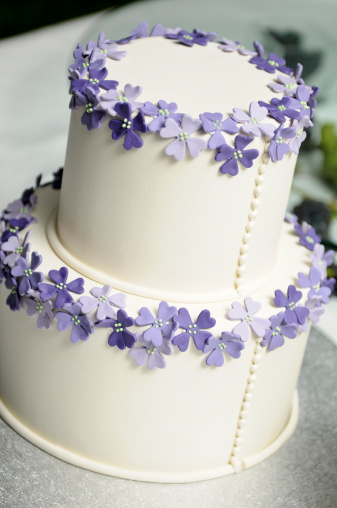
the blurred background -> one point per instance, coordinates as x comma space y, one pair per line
36, 44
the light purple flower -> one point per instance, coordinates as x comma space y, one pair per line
182, 137
321, 259
103, 301
229, 46
194, 330
142, 30
213, 122
229, 343
274, 335
248, 319
270, 64
316, 309
104, 47
61, 287
162, 112
15, 225
286, 85
299, 134
252, 122
291, 218
82, 65
314, 283
20, 209
303, 95
120, 336
293, 313
14, 299
307, 234
15, 250
237, 154
158, 30
278, 148
161, 327
282, 108
128, 126
113, 97
30, 278
150, 353
329, 283
44, 310
82, 326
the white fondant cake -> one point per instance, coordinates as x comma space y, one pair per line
200, 386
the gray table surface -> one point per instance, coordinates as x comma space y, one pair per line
303, 474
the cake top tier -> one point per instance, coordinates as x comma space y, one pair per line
181, 87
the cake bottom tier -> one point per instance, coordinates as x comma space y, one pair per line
91, 405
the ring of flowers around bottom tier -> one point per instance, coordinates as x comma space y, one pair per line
171, 327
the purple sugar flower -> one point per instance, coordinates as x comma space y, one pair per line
158, 30
303, 95
182, 137
15, 225
314, 283
128, 126
142, 30
150, 353
82, 65
113, 97
298, 134
82, 326
104, 47
103, 301
95, 81
248, 320
316, 310
292, 314
15, 249
3, 270
291, 218
44, 310
229, 343
252, 122
282, 108
278, 148
161, 327
229, 46
321, 259
162, 112
14, 299
270, 64
234, 155
30, 278
329, 283
21, 208
119, 336
92, 117
307, 234
192, 329
61, 287
190, 38
286, 85
274, 335
213, 122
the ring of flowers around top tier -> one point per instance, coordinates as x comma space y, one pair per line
100, 98
170, 328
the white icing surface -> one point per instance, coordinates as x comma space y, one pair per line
146, 220
93, 401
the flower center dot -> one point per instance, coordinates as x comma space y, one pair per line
217, 124
281, 107
183, 136
279, 140
237, 154
309, 239
292, 305
299, 133
60, 285
103, 298
222, 345
28, 272
248, 319
164, 111
151, 351
188, 37
118, 327
19, 250
304, 104
76, 320
126, 124
273, 63
158, 323
89, 107
254, 121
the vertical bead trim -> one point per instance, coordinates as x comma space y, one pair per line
234, 460
254, 205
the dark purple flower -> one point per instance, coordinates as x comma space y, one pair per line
278, 148
30, 278
247, 318
161, 326
229, 343
44, 310
234, 155
15, 225
142, 30
82, 326
57, 181
321, 259
162, 112
230, 46
190, 38
3, 269
329, 283
293, 313
103, 301
252, 122
21, 208
15, 250
274, 335
282, 108
14, 299
119, 336
192, 329
314, 283
213, 122
95, 81
61, 287
113, 97
92, 117
298, 134
128, 126
82, 65
150, 353
307, 234
183, 138
270, 64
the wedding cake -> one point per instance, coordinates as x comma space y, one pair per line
155, 310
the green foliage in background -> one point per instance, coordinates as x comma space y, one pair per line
328, 145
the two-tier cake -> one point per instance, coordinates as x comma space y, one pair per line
161, 303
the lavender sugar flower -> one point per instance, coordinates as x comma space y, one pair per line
113, 97
150, 353
293, 314
30, 278
182, 137
229, 343
307, 234
103, 301
321, 259
248, 319
161, 113
161, 326
215, 124
279, 148
270, 64
82, 326
252, 122
44, 310
274, 336
15, 250
314, 283
230, 46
